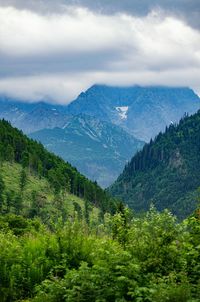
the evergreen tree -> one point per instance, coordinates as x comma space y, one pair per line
2, 187
18, 204
9, 153
9, 200
86, 210
23, 180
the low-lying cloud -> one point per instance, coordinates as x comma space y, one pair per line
57, 54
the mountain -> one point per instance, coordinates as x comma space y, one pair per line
141, 111
42, 116
97, 148
103, 127
31, 117
166, 172
62, 178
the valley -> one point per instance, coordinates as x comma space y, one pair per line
99, 151
63, 237
104, 127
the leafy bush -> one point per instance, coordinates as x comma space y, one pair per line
152, 258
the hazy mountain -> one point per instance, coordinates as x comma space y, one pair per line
142, 111
31, 117
98, 149
165, 172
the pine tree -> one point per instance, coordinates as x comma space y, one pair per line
2, 187
18, 204
23, 180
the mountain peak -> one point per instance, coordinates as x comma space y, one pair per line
150, 108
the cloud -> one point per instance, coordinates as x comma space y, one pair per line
58, 53
188, 10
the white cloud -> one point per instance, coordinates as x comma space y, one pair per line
25, 33
57, 55
59, 87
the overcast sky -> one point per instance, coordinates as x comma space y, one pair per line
55, 49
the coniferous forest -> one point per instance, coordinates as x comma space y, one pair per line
62, 238
165, 171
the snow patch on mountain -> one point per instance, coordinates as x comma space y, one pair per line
122, 111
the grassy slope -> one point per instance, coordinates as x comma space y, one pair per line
11, 176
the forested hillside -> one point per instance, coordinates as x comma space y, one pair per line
62, 177
166, 172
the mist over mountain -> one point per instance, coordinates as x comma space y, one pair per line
104, 127
141, 111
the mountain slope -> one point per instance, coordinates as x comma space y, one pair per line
42, 116
165, 172
31, 117
142, 111
98, 149
61, 176
38, 198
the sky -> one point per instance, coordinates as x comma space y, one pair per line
52, 50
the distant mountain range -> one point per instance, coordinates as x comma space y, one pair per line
100, 130
141, 111
166, 171
98, 149
31, 117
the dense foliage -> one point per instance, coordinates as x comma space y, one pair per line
165, 172
122, 259
16, 147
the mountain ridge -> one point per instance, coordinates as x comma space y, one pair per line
149, 108
30, 117
142, 111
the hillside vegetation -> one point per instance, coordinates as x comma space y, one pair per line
61, 176
165, 172
37, 198
55, 246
